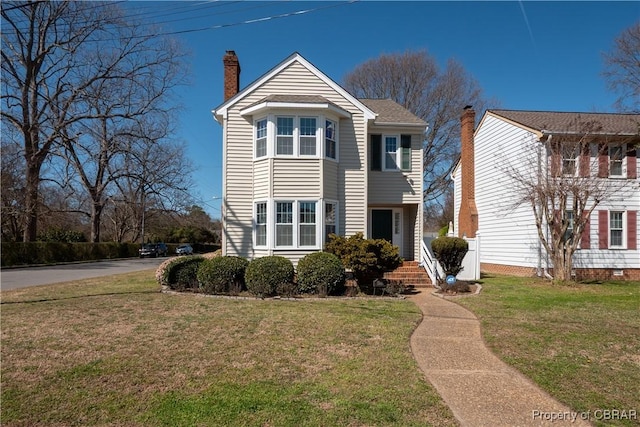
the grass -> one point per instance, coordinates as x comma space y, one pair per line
580, 343
115, 351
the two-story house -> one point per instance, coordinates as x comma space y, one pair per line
303, 158
584, 148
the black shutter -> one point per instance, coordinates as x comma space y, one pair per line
405, 141
376, 152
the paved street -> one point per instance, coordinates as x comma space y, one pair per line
32, 276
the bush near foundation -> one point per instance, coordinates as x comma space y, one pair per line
222, 275
320, 273
180, 273
367, 258
265, 276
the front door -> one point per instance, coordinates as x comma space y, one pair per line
387, 224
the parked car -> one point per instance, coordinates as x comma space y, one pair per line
184, 250
149, 250
161, 249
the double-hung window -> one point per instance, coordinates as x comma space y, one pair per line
307, 223
330, 211
308, 139
284, 224
568, 234
616, 229
261, 138
330, 139
261, 224
616, 157
391, 152
284, 136
570, 154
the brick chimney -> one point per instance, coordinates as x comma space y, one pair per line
231, 74
468, 215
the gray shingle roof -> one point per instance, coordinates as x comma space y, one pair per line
564, 122
391, 112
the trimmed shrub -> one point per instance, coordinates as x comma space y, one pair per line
222, 275
367, 258
320, 273
450, 251
180, 273
268, 275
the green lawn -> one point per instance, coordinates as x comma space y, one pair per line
115, 351
580, 343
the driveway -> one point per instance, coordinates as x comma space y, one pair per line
15, 278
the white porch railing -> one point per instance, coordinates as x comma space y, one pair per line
428, 261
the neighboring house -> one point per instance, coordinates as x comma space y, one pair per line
485, 199
302, 158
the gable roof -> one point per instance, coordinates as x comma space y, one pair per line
554, 122
221, 110
390, 112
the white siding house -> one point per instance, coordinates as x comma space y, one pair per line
511, 143
303, 158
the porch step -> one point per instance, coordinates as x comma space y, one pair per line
410, 273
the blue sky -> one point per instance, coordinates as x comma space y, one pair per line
526, 55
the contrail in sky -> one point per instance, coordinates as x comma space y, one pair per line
526, 21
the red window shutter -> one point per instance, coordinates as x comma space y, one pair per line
632, 230
585, 160
603, 161
556, 159
585, 239
603, 229
632, 162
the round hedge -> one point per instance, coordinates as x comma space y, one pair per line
265, 276
180, 273
320, 273
222, 275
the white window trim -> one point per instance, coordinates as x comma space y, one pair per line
336, 138
293, 224
623, 164
297, 239
324, 219
398, 155
255, 223
624, 230
255, 138
272, 127
576, 160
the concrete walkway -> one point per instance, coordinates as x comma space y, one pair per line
480, 389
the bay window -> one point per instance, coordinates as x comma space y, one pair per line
261, 138
330, 211
308, 140
307, 215
261, 224
284, 135
284, 224
330, 139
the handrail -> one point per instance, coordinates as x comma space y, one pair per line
429, 263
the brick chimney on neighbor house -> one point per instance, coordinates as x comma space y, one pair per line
468, 215
231, 74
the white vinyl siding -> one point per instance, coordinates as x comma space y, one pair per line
400, 187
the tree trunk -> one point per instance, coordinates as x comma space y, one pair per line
32, 195
96, 217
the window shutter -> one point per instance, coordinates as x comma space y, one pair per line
556, 159
376, 152
632, 230
585, 239
405, 155
603, 161
585, 160
631, 161
603, 229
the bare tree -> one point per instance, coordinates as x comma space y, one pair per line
414, 80
78, 75
563, 185
622, 69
